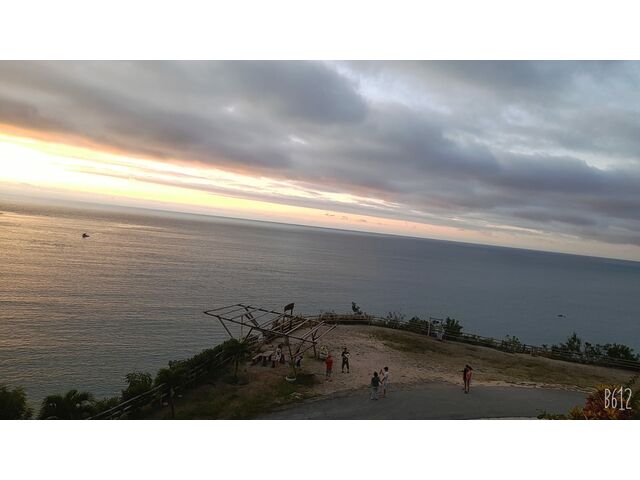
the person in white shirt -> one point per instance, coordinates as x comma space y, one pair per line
385, 380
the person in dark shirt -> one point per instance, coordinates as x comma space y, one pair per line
345, 359
375, 384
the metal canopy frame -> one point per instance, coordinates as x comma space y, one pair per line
271, 325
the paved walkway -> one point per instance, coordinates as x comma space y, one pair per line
436, 401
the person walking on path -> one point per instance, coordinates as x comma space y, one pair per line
329, 364
375, 384
385, 380
466, 377
345, 359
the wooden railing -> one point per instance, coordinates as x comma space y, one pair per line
160, 392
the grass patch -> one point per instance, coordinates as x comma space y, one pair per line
221, 400
306, 379
413, 343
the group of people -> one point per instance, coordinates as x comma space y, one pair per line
329, 363
381, 378
378, 379
278, 357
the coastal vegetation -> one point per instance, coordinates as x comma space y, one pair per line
73, 405
238, 351
13, 404
574, 344
138, 383
264, 390
452, 327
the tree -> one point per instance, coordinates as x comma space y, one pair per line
138, 383
513, 344
593, 351
238, 351
172, 377
614, 350
13, 404
394, 319
573, 344
623, 352
356, 308
105, 404
452, 327
74, 405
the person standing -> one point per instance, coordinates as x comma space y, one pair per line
466, 377
385, 380
375, 384
345, 359
276, 357
329, 364
298, 360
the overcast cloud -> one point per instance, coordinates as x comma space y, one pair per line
548, 146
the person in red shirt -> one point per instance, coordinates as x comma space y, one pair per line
329, 364
466, 377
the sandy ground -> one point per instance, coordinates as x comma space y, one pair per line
414, 359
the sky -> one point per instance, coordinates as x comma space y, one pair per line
541, 155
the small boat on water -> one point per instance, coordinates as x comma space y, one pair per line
85, 235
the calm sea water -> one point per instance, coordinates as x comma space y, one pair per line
80, 313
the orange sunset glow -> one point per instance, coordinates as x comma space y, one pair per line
65, 168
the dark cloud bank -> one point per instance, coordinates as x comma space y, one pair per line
550, 146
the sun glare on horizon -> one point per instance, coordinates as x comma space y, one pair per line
63, 169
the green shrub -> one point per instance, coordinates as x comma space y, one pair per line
623, 352
614, 350
173, 376
238, 351
452, 327
138, 383
73, 405
13, 404
105, 404
394, 319
572, 345
513, 344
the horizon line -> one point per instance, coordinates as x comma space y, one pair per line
74, 203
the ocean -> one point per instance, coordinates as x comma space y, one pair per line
82, 313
